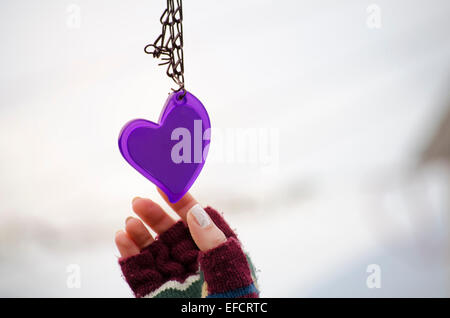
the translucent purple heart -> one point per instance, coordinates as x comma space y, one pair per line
172, 152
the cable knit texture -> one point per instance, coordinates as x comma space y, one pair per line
169, 267
225, 268
172, 256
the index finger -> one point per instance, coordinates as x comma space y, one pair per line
182, 206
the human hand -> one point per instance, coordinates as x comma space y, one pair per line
167, 266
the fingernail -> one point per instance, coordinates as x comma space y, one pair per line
200, 215
134, 199
127, 219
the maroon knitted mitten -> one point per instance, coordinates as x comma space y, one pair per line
170, 266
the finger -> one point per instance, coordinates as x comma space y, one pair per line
125, 244
203, 230
138, 232
152, 214
182, 206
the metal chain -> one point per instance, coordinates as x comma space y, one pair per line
168, 46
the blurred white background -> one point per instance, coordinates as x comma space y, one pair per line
358, 172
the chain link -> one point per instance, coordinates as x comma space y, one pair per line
168, 46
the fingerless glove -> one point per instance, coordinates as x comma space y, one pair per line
172, 266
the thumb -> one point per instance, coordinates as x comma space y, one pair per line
203, 230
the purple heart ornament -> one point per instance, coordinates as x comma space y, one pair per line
172, 152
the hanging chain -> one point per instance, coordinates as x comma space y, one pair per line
168, 46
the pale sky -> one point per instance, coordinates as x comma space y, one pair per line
352, 108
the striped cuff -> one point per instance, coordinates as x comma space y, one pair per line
249, 291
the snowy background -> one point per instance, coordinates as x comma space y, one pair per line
350, 107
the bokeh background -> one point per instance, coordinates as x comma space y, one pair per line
355, 176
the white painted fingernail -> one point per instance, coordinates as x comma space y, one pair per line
200, 215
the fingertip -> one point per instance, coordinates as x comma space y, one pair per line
128, 219
182, 206
125, 244
205, 233
153, 215
137, 201
118, 237
137, 231
140, 204
190, 220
